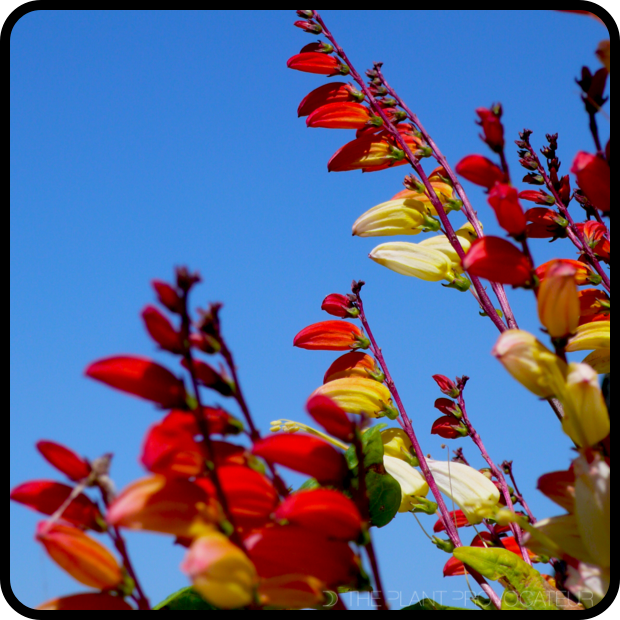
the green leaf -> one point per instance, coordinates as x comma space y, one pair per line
427, 603
184, 599
372, 446
310, 485
384, 497
527, 587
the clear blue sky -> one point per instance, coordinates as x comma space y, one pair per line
145, 140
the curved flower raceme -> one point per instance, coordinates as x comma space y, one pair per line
470, 490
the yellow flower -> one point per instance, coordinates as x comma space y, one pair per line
558, 301
395, 217
396, 443
412, 483
597, 336
466, 235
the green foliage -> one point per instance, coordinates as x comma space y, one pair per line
527, 589
372, 446
384, 495
310, 485
184, 599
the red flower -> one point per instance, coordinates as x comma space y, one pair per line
331, 417
305, 454
340, 115
46, 497
594, 305
328, 93
545, 223
480, 170
594, 179
492, 127
448, 407
505, 202
209, 377
141, 377
447, 386
538, 196
292, 550
583, 273
559, 487
354, 364
340, 306
316, 62
323, 511
308, 26
457, 517
161, 330
317, 46
68, 462
331, 336
448, 427
498, 260
595, 235
168, 296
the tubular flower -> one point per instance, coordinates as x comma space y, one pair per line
540, 197
466, 235
354, 364
220, 572
457, 517
340, 305
449, 427
396, 444
414, 260
161, 331
395, 217
583, 273
331, 417
595, 305
81, 556
316, 62
141, 377
480, 171
559, 487
411, 481
595, 336
544, 223
492, 127
341, 115
360, 396
530, 362
87, 601
367, 151
558, 301
504, 200
174, 506
586, 419
305, 454
47, 497
594, 178
324, 511
499, 261
470, 490
333, 92
68, 462
331, 336
167, 296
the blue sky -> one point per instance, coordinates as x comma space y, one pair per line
146, 140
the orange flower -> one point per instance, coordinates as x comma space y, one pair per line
316, 62
331, 336
328, 93
354, 364
341, 115
498, 260
68, 462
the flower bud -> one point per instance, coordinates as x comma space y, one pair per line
81, 556
317, 46
359, 395
586, 419
499, 261
411, 481
395, 217
558, 301
308, 26
340, 305
340, 115
447, 386
354, 364
220, 572
331, 336
505, 202
161, 330
472, 492
414, 260
168, 296
480, 171
529, 362
141, 377
492, 127
448, 407
316, 62
594, 178
328, 93
449, 428
540, 197
68, 462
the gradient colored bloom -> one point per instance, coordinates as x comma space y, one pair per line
293, 550
540, 197
141, 377
529, 362
396, 444
449, 427
359, 395
161, 331
545, 223
594, 178
492, 127
505, 202
331, 417
340, 305
305, 454
316, 62
443, 191
87, 601
470, 490
395, 217
168, 506
81, 556
558, 301
220, 572
465, 235
583, 273
368, 151
354, 364
411, 481
68, 462
414, 260
559, 487
47, 496
595, 335
333, 92
308, 26
341, 115
480, 171
324, 511
499, 261
331, 336
594, 305
586, 419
